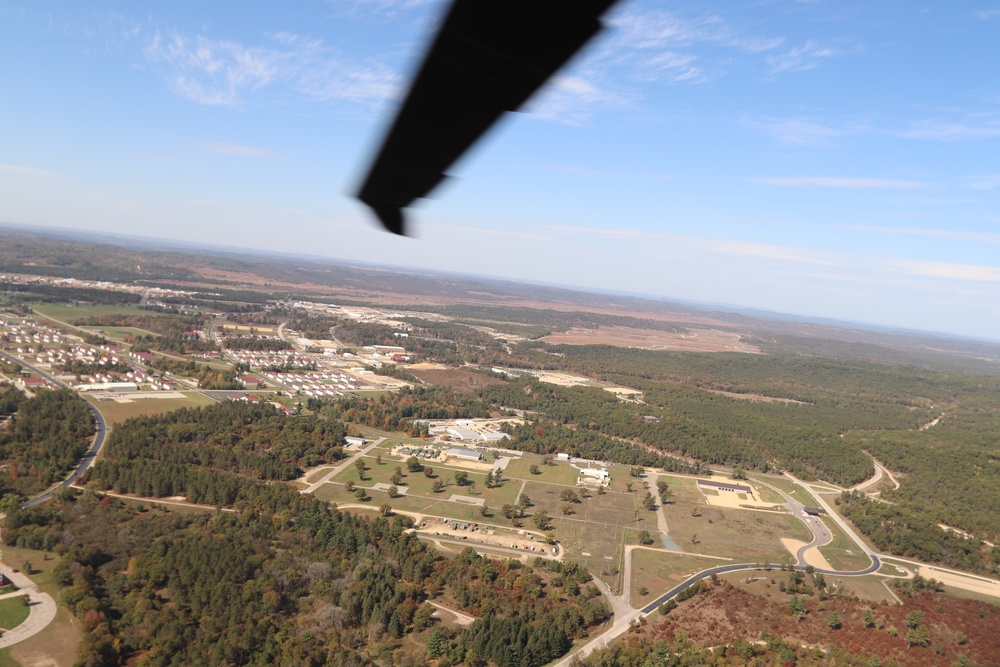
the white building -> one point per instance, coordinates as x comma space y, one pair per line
601, 476
562, 456
354, 441
460, 433
465, 454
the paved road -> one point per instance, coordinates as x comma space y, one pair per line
95, 447
342, 466
42, 610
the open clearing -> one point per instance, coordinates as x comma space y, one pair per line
659, 571
12, 612
695, 340
115, 412
56, 644
757, 398
459, 379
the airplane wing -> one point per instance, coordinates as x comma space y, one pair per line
489, 56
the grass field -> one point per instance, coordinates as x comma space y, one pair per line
115, 412
846, 560
56, 644
12, 612
68, 313
117, 333
794, 490
718, 531
559, 473
658, 572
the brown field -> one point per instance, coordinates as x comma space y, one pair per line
459, 379
695, 340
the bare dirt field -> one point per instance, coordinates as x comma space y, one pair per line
459, 379
695, 340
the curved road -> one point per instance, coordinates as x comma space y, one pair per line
95, 448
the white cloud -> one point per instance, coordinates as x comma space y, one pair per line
949, 234
837, 182
22, 170
987, 14
234, 150
572, 99
800, 58
973, 127
222, 72
988, 182
967, 272
798, 131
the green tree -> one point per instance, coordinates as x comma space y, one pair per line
645, 537
914, 618
523, 500
637, 471
361, 495
393, 491
413, 464
797, 605
541, 520
534, 470
833, 621
868, 619
461, 478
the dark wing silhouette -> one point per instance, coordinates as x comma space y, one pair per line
489, 56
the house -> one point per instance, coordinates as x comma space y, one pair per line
32, 383
467, 423
650, 419
249, 381
354, 441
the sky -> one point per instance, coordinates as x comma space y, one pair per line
824, 158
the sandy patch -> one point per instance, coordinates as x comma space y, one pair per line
735, 500
793, 546
694, 340
965, 582
754, 397
816, 558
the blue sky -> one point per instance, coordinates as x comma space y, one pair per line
836, 159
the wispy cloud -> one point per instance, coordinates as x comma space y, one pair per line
837, 182
799, 131
227, 73
966, 272
974, 126
234, 150
22, 170
988, 182
387, 8
574, 99
987, 14
948, 234
800, 58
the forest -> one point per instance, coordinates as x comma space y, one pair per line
170, 454
44, 439
899, 531
286, 579
173, 333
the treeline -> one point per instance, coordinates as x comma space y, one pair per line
80, 367
710, 428
54, 293
252, 440
904, 533
546, 437
174, 333
256, 344
208, 377
289, 579
43, 441
396, 412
